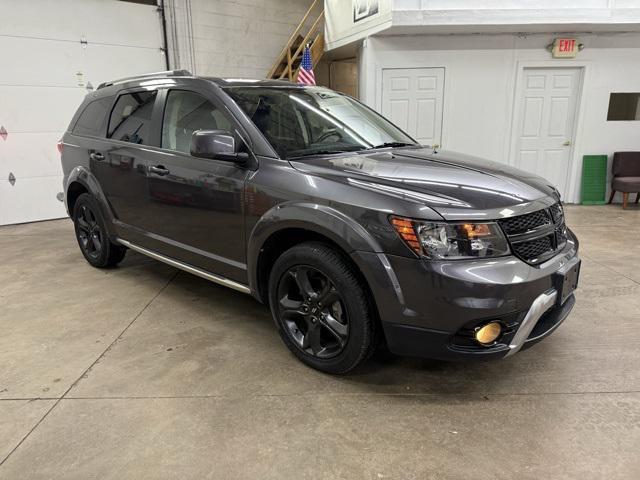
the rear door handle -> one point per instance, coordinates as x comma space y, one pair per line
159, 170
96, 156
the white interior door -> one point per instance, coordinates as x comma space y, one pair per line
545, 126
412, 99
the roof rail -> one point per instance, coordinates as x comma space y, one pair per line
167, 73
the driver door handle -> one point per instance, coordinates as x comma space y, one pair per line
159, 170
96, 156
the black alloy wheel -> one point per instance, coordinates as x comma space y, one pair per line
90, 235
322, 308
312, 310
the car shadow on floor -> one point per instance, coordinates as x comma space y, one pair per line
384, 372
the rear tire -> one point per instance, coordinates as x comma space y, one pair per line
321, 308
92, 236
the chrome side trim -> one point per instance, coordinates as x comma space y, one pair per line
187, 268
539, 306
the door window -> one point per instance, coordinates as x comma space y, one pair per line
131, 117
185, 113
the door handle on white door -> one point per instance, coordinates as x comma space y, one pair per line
567, 143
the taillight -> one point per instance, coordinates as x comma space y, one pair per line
60, 146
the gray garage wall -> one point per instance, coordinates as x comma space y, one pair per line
230, 38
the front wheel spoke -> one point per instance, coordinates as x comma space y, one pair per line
329, 297
301, 277
312, 339
337, 329
290, 307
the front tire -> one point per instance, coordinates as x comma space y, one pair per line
321, 308
91, 233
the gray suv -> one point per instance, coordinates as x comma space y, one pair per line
351, 232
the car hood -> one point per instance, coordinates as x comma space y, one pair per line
450, 183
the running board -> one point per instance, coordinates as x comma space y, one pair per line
187, 268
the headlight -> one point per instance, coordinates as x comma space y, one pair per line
440, 241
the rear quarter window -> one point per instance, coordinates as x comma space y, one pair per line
93, 119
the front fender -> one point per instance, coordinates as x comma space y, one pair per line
83, 176
352, 237
322, 219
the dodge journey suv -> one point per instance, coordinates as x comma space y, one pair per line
304, 198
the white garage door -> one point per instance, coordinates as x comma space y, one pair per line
412, 99
49, 54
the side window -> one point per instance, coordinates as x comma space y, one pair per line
93, 119
186, 112
277, 116
131, 117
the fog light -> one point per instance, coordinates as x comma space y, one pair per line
488, 333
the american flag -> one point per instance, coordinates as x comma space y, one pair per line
305, 73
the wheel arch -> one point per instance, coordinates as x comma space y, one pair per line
287, 225
80, 181
74, 190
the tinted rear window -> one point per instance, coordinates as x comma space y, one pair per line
131, 117
93, 120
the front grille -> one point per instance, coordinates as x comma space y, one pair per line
536, 236
556, 212
534, 248
525, 223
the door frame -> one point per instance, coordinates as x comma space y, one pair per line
571, 182
380, 90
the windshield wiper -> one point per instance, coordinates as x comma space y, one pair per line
393, 145
324, 152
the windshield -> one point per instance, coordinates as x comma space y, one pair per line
313, 120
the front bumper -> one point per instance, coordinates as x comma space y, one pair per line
427, 307
421, 342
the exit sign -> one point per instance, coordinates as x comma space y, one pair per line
565, 48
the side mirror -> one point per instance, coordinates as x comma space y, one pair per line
218, 145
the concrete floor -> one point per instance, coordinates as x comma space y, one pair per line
144, 372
